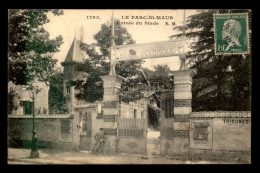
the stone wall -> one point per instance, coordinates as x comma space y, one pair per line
230, 134
212, 136
220, 135
55, 132
225, 131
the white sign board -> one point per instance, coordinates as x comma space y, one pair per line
147, 50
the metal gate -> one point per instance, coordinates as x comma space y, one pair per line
85, 133
132, 135
166, 136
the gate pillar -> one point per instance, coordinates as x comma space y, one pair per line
111, 84
182, 109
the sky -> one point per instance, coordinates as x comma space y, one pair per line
73, 21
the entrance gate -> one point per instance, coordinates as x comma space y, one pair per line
166, 136
85, 133
132, 135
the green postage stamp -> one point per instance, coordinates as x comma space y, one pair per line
231, 33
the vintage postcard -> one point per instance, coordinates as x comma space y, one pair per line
129, 86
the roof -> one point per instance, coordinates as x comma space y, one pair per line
150, 93
75, 54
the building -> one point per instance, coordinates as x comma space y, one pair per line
73, 59
23, 101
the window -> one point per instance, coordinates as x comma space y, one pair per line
67, 87
142, 114
27, 107
135, 112
65, 127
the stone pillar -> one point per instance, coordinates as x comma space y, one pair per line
111, 84
182, 109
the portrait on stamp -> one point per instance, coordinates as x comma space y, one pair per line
231, 33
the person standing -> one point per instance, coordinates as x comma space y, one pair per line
100, 141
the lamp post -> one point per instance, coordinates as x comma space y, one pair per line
34, 147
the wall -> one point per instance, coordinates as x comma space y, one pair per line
212, 136
49, 131
233, 134
220, 135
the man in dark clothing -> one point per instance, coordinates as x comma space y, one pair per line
100, 141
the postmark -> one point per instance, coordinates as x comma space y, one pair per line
231, 33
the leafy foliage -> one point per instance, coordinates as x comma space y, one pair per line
56, 103
162, 74
29, 46
103, 37
224, 80
153, 120
98, 64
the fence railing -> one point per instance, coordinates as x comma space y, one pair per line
130, 123
132, 127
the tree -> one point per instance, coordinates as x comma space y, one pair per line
98, 64
162, 74
56, 102
29, 46
222, 82
103, 37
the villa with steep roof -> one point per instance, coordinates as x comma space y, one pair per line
74, 57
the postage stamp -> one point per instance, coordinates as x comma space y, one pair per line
231, 34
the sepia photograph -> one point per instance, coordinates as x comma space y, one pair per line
129, 86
